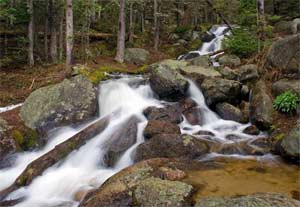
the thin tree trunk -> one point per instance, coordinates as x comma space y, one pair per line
260, 21
131, 25
30, 33
46, 32
53, 32
156, 26
61, 38
69, 34
142, 21
121, 34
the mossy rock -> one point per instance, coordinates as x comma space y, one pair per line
25, 139
157, 192
195, 44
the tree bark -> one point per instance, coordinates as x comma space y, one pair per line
46, 32
156, 26
30, 32
53, 32
69, 34
131, 24
121, 34
61, 38
260, 22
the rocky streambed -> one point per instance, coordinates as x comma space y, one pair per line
184, 134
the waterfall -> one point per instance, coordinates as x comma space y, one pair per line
83, 169
209, 47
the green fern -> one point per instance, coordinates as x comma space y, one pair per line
286, 102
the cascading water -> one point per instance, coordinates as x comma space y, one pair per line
83, 169
209, 47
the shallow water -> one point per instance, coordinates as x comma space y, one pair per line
236, 176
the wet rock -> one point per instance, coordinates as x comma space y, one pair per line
204, 133
7, 143
245, 108
217, 90
229, 112
136, 56
255, 200
282, 86
252, 130
171, 146
170, 113
168, 83
261, 107
70, 102
207, 36
121, 140
61, 151
229, 60
285, 54
245, 91
191, 111
203, 61
290, 144
157, 192
228, 73
155, 127
248, 73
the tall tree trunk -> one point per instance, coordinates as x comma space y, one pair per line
131, 24
30, 33
260, 22
143, 21
61, 38
121, 34
46, 31
156, 26
69, 33
53, 32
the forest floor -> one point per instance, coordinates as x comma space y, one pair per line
17, 83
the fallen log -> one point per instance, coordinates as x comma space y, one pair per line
61, 151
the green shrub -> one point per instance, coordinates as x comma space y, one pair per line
242, 43
273, 19
182, 29
286, 102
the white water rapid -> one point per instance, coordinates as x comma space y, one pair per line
83, 169
212, 46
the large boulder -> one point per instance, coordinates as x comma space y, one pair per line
229, 60
228, 73
153, 182
157, 192
136, 56
229, 112
171, 146
155, 127
196, 72
261, 106
203, 61
283, 85
255, 200
285, 54
217, 90
168, 83
173, 64
69, 102
120, 141
170, 113
290, 145
288, 27
248, 73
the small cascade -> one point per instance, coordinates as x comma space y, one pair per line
209, 47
